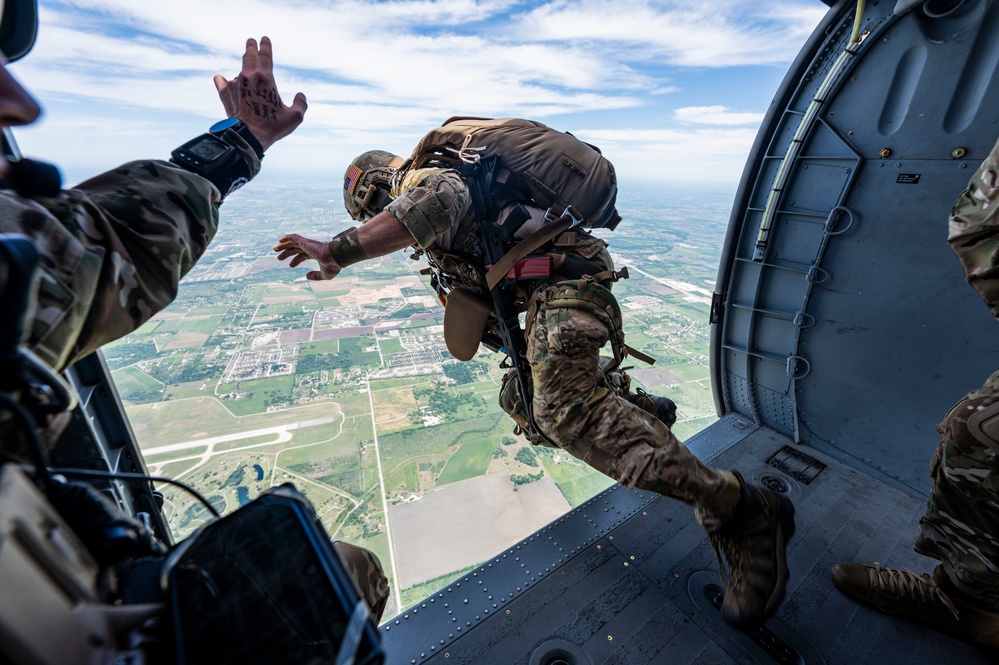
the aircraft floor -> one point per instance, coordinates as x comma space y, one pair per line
630, 577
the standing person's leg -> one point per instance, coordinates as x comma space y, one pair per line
960, 529
748, 524
961, 522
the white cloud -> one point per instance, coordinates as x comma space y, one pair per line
134, 78
716, 115
704, 155
721, 33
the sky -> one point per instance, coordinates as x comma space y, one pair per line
672, 91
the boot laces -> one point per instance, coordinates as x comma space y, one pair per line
910, 586
727, 553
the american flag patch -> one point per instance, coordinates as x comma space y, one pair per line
351, 179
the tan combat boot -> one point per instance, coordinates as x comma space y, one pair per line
662, 408
933, 601
754, 541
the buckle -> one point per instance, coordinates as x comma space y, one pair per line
576, 221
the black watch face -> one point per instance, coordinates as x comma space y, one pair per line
208, 148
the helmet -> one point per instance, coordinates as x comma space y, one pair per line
367, 183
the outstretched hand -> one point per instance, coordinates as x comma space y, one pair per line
301, 249
253, 96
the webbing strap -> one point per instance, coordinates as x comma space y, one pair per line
522, 249
635, 353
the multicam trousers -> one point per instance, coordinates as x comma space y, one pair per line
584, 412
962, 514
961, 524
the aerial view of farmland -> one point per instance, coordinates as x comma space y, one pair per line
255, 377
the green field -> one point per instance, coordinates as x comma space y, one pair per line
257, 293
471, 461
577, 482
258, 394
408, 443
190, 389
391, 345
691, 371
411, 475
132, 380
192, 324
688, 428
166, 457
296, 307
388, 384
176, 469
142, 333
243, 443
320, 346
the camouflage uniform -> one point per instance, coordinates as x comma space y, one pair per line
578, 403
961, 524
367, 572
113, 250
111, 254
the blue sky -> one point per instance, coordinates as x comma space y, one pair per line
670, 90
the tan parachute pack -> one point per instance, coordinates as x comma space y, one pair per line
547, 168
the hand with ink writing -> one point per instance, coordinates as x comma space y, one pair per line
253, 96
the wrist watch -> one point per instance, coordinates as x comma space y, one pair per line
238, 126
213, 158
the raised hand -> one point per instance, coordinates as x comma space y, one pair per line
253, 96
300, 249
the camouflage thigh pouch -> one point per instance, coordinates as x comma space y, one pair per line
562, 300
563, 348
962, 515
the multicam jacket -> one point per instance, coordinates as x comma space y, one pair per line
974, 230
112, 251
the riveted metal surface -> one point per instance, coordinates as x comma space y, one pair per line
427, 628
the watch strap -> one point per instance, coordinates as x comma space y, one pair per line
240, 128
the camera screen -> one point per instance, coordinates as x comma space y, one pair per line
251, 588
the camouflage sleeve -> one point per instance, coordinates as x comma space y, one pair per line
433, 207
974, 230
113, 250
369, 576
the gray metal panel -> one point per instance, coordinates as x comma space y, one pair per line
629, 596
558, 556
846, 321
891, 351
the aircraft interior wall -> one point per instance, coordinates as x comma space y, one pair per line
853, 330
